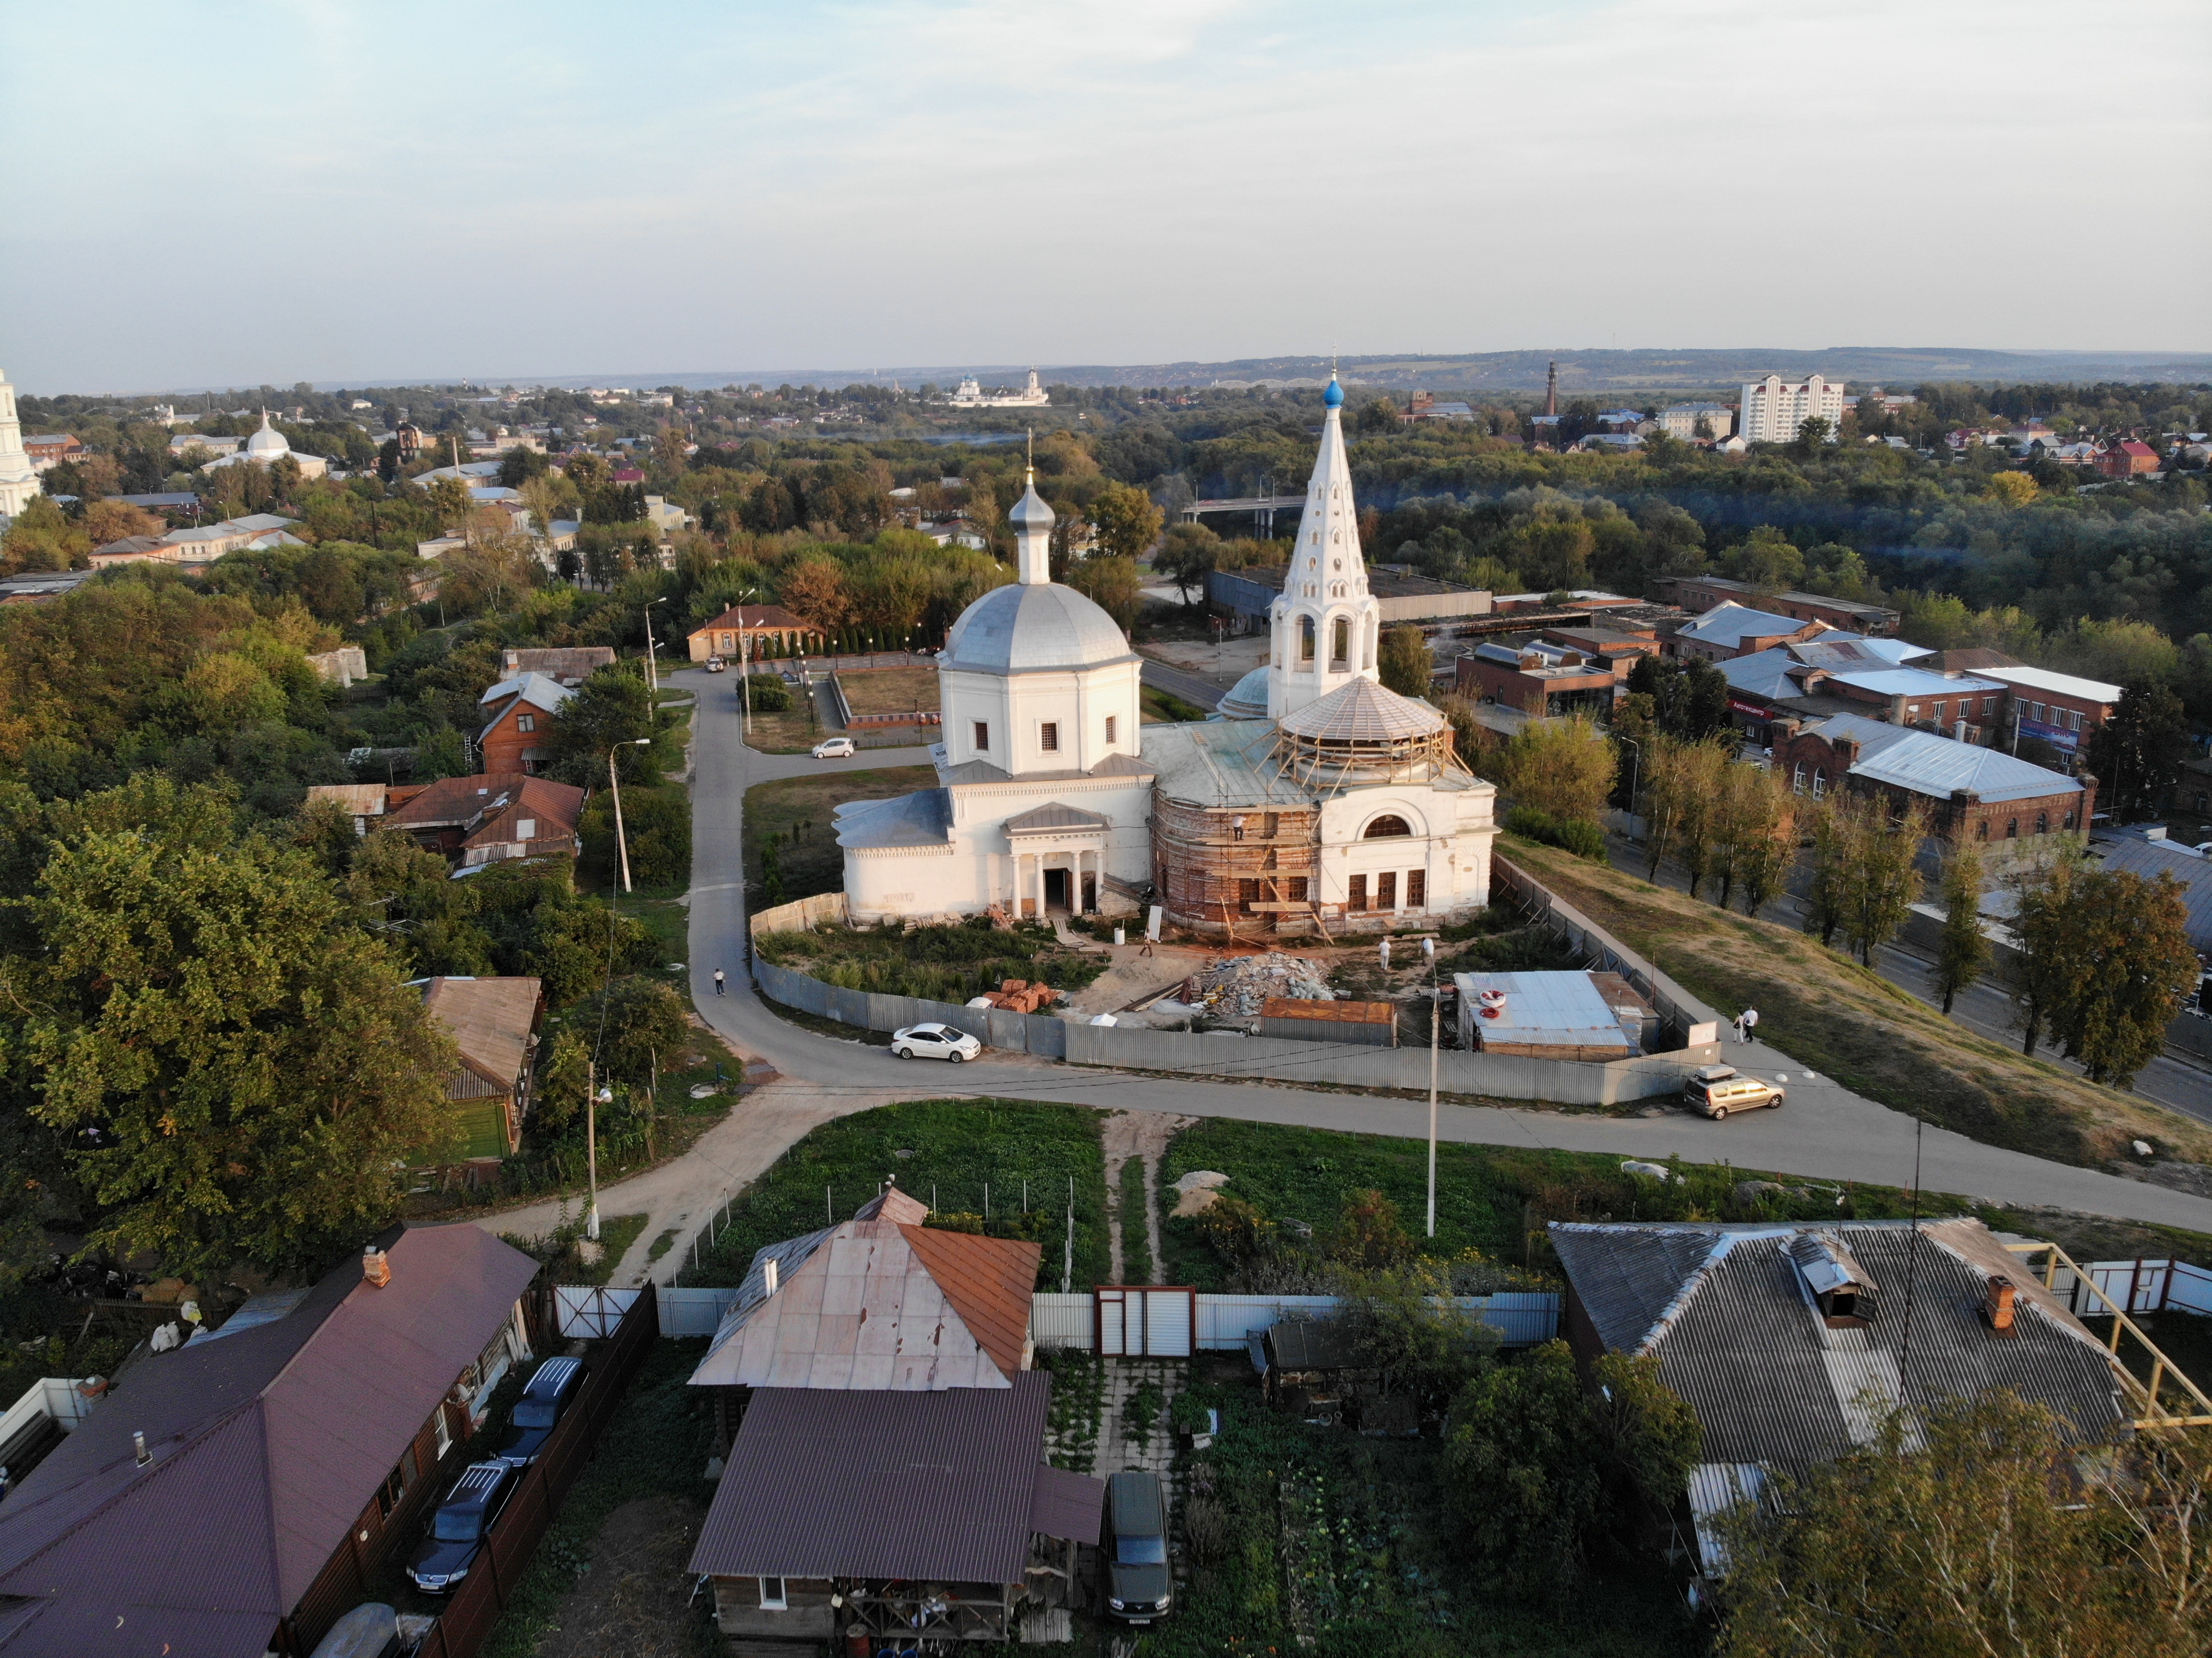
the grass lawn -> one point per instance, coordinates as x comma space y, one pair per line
794, 730
1822, 1009
617, 1233
1496, 1200
945, 1152
943, 963
891, 690
1157, 706
1326, 1542
805, 806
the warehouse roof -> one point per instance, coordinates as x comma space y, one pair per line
1924, 763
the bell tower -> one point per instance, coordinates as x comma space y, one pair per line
1326, 628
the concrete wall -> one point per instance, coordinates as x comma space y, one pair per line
801, 915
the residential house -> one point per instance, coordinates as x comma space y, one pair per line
1793, 1343
233, 1497
494, 1024
254, 530
365, 803
1775, 408
536, 820
749, 628
571, 665
52, 448
2132, 458
215, 445
1702, 592
455, 814
1969, 792
1680, 421
134, 549
519, 712
1732, 629
886, 1472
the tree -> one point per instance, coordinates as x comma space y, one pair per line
1367, 1234
1950, 1535
1685, 780
1965, 950
1689, 697
1401, 1320
643, 1020
1562, 767
2105, 964
1126, 519
657, 826
2137, 754
234, 1068
1187, 555
1114, 585
116, 521
1767, 560
1881, 882
1404, 661
1761, 831
608, 713
816, 591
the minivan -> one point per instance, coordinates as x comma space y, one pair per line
531, 1421
1717, 1089
462, 1523
1138, 1584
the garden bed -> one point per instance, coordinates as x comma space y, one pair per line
975, 1162
937, 964
891, 690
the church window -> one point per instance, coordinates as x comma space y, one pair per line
1385, 827
1417, 889
1110, 723
1338, 565
1305, 638
1248, 894
1048, 737
1297, 886
982, 737
1356, 898
1386, 890
1341, 643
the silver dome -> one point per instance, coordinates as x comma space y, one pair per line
1033, 625
1248, 698
1030, 512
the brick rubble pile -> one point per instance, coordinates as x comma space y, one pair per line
1238, 987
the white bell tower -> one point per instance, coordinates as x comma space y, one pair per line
1326, 627
19, 483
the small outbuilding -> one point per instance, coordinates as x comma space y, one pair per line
1550, 1016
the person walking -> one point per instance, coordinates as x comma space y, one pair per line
718, 981
1747, 1022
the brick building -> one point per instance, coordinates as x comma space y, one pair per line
1703, 592
1542, 678
1970, 793
1733, 629
2059, 708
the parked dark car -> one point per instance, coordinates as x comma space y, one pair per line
1138, 1585
532, 1419
462, 1523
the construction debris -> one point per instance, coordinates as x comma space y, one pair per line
1239, 987
1020, 996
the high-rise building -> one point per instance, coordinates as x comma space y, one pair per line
18, 481
1774, 408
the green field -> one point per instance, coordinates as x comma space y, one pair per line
800, 810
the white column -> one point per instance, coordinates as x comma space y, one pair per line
1039, 885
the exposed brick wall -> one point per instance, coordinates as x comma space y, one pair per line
1961, 816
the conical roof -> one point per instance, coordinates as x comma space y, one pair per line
1363, 712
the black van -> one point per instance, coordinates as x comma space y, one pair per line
534, 1414
1140, 1586
462, 1523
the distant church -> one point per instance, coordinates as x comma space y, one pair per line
1314, 802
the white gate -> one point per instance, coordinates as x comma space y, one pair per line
1136, 1321
586, 1310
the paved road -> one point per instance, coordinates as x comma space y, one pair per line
1177, 681
1824, 1132
1983, 1007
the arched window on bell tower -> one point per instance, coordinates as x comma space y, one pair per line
1305, 638
1340, 645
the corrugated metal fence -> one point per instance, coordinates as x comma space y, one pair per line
2140, 1286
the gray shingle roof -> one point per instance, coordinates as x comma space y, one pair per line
1738, 1338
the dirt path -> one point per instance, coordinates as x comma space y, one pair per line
634, 1601
1144, 1135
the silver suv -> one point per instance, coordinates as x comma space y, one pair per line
1717, 1089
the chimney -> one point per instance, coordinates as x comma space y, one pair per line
138, 1443
375, 1267
771, 1274
1847, 750
1998, 1305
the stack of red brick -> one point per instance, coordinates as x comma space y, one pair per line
1020, 996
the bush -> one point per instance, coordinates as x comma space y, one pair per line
770, 694
1576, 835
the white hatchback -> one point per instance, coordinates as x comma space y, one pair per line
835, 748
934, 1041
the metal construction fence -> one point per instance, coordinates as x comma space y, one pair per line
2140, 1286
1220, 1322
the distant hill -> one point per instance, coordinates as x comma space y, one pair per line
1581, 374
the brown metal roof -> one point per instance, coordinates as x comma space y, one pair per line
453, 800
989, 1282
266, 1446
939, 1487
1328, 1013
491, 1020
555, 806
1067, 1505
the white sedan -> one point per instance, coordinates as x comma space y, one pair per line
934, 1041
835, 748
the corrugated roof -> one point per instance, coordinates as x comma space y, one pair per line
934, 1487
491, 1020
1068, 1505
1731, 622
560, 661
876, 1304
1739, 1340
266, 1446
1560, 1010
2150, 859
2061, 684
1926, 763
555, 807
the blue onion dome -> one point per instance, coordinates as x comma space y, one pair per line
1334, 397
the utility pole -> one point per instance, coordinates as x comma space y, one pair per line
652, 668
1436, 1027
592, 1147
614, 787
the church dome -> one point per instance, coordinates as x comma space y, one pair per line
1030, 512
268, 443
1333, 398
1033, 625
1248, 698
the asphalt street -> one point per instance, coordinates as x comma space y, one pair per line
1825, 1131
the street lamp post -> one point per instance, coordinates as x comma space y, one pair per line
652, 667
614, 788
591, 1097
745, 672
1635, 766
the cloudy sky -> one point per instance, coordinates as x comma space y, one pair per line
241, 190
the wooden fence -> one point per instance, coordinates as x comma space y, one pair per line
473, 1610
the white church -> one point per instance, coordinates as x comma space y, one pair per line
1315, 802
19, 480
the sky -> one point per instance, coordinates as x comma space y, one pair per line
241, 191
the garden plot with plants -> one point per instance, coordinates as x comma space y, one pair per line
937, 963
